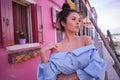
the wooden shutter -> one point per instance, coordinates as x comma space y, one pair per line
0, 27
40, 25
7, 37
37, 27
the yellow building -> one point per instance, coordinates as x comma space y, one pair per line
72, 4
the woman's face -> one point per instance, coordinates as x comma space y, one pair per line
73, 22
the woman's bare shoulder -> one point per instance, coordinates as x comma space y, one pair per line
87, 39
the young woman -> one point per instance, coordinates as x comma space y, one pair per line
75, 57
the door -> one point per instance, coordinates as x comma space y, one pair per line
20, 20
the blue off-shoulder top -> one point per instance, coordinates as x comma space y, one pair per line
85, 61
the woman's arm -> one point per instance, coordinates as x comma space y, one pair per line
67, 77
46, 70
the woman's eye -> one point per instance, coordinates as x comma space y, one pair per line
73, 19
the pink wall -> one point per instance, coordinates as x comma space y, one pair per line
48, 30
22, 71
27, 70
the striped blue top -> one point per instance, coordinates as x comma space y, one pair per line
85, 61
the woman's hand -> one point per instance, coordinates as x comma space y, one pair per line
51, 46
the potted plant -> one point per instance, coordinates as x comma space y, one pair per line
22, 37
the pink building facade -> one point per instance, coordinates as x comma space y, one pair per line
37, 19
33, 17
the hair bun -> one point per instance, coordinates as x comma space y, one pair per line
65, 6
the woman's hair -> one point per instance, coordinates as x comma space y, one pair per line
66, 11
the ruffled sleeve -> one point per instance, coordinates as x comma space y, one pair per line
94, 69
82, 75
47, 71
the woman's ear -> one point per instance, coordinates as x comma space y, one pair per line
63, 23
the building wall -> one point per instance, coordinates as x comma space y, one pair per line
48, 30
23, 71
27, 70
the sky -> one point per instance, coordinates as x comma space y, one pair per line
108, 12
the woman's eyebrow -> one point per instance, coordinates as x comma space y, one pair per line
75, 17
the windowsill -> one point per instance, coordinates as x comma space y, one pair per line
22, 46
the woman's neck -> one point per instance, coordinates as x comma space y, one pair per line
70, 37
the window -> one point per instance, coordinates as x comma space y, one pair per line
59, 33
